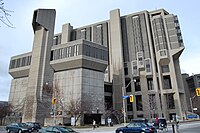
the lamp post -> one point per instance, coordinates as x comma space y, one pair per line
191, 98
97, 110
124, 106
191, 104
123, 102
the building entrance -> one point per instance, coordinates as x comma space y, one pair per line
88, 118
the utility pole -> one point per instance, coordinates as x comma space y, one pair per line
124, 105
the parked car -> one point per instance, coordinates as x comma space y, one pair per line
18, 128
35, 126
57, 129
137, 127
160, 123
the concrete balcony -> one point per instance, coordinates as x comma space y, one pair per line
80, 61
163, 56
19, 72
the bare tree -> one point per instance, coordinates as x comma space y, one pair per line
76, 108
114, 114
152, 104
4, 14
6, 109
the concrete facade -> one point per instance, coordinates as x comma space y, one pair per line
190, 84
138, 52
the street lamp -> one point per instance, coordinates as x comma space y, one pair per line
123, 102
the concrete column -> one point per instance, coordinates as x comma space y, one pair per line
116, 60
66, 33
36, 108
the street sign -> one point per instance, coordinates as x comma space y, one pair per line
198, 91
124, 97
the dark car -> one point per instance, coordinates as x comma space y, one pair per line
35, 126
137, 127
18, 128
57, 129
161, 123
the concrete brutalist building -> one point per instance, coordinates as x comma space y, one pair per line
191, 83
138, 52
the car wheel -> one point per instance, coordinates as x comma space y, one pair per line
121, 132
20, 131
8, 130
142, 132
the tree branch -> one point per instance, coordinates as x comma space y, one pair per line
4, 14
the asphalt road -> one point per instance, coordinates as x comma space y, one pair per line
187, 127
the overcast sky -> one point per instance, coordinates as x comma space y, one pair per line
18, 40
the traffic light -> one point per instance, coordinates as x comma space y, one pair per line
54, 101
131, 98
198, 91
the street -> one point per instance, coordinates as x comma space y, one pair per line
187, 127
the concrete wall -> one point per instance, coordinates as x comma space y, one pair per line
82, 84
18, 92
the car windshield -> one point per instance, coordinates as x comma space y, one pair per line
149, 124
30, 124
136, 124
66, 129
22, 124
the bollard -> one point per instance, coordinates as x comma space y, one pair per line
173, 130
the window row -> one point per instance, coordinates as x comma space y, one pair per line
137, 83
97, 34
151, 103
66, 52
20, 62
95, 52
79, 49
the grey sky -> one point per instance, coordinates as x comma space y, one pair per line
84, 12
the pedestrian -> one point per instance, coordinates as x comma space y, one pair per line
94, 124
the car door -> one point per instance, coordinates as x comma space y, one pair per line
11, 127
131, 128
138, 127
14, 127
49, 130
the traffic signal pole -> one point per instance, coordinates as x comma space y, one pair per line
123, 100
54, 114
124, 106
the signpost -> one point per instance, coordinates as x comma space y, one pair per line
124, 97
